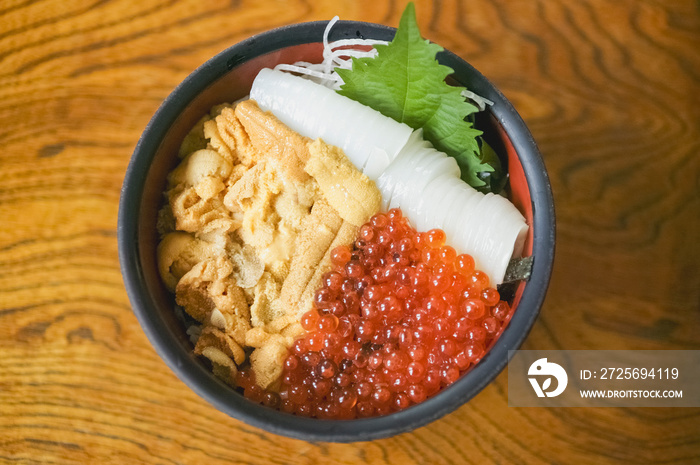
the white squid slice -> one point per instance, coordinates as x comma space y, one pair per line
396, 175
461, 202
416, 166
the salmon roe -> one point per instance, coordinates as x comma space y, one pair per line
400, 316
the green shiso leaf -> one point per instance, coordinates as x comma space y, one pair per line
405, 82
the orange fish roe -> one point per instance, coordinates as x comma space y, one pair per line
399, 317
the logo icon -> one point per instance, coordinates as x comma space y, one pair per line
551, 370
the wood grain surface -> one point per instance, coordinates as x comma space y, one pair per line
609, 89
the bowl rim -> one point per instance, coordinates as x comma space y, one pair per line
194, 375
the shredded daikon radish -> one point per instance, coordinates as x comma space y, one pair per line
480, 101
306, 70
337, 54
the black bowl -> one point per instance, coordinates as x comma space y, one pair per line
228, 77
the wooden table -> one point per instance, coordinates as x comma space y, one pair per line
609, 90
